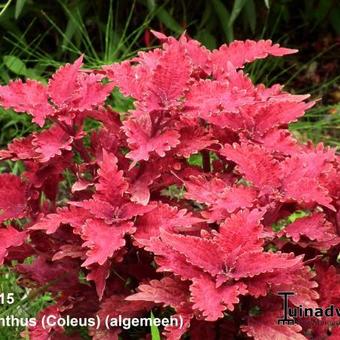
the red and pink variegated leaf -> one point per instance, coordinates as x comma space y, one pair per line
99, 209
251, 264
232, 199
111, 183
142, 142
103, 240
241, 52
265, 327
140, 186
174, 332
99, 274
131, 80
10, 237
302, 285
335, 333
169, 260
19, 149
278, 114
74, 216
198, 54
50, 143
90, 92
328, 279
207, 98
167, 291
280, 141
13, 197
30, 97
63, 83
297, 278
169, 77
69, 250
212, 301
199, 135
255, 164
315, 227
198, 251
311, 163
163, 217
202, 190
241, 233
308, 190
61, 275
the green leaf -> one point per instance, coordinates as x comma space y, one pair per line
15, 65
18, 8
154, 330
237, 8
196, 159
165, 17
207, 39
251, 14
224, 17
267, 3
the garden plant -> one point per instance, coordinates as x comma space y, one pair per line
196, 201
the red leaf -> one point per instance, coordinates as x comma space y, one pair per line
315, 227
162, 217
214, 301
167, 291
30, 97
205, 255
111, 183
251, 264
10, 237
103, 240
13, 197
265, 327
170, 77
50, 143
187, 147
76, 217
99, 274
241, 52
255, 163
64, 82
215, 102
142, 142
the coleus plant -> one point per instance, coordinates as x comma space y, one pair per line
198, 201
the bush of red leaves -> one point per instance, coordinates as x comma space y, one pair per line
198, 202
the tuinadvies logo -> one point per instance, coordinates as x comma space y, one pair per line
291, 313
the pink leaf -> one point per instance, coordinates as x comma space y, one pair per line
214, 301
50, 143
255, 163
13, 197
64, 82
142, 142
168, 291
30, 97
241, 52
265, 327
205, 255
10, 237
103, 240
